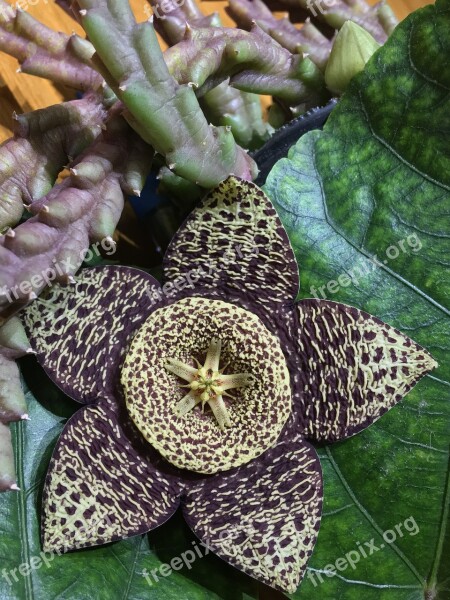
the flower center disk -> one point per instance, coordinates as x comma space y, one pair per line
207, 384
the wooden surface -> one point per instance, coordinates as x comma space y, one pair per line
23, 93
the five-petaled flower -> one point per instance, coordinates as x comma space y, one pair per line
213, 396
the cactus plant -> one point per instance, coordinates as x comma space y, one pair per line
223, 105
44, 142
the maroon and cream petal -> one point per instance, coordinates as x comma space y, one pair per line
100, 487
235, 241
263, 518
80, 331
348, 368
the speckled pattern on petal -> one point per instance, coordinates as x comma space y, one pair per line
183, 331
234, 240
350, 368
263, 518
99, 488
80, 331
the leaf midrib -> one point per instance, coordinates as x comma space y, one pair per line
432, 580
362, 251
22, 511
371, 520
133, 569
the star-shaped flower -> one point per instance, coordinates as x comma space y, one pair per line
153, 367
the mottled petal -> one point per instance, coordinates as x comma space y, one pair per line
100, 488
349, 368
80, 331
235, 241
263, 517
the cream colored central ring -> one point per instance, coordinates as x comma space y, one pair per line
192, 430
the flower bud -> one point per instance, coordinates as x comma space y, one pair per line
351, 50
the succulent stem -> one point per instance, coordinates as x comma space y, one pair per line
82, 209
44, 52
308, 39
222, 105
166, 114
252, 60
13, 344
44, 142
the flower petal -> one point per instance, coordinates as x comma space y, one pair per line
100, 488
80, 331
263, 517
235, 241
349, 368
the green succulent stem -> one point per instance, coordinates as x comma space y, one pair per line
13, 344
166, 114
7, 469
223, 105
252, 60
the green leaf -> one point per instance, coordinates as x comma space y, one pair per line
366, 205
114, 571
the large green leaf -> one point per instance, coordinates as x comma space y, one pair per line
376, 182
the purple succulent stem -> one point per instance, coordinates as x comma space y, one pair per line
308, 39
44, 142
83, 209
43, 52
252, 60
171, 25
378, 20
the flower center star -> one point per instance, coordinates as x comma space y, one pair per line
165, 388
207, 384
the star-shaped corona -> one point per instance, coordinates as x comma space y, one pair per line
207, 384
